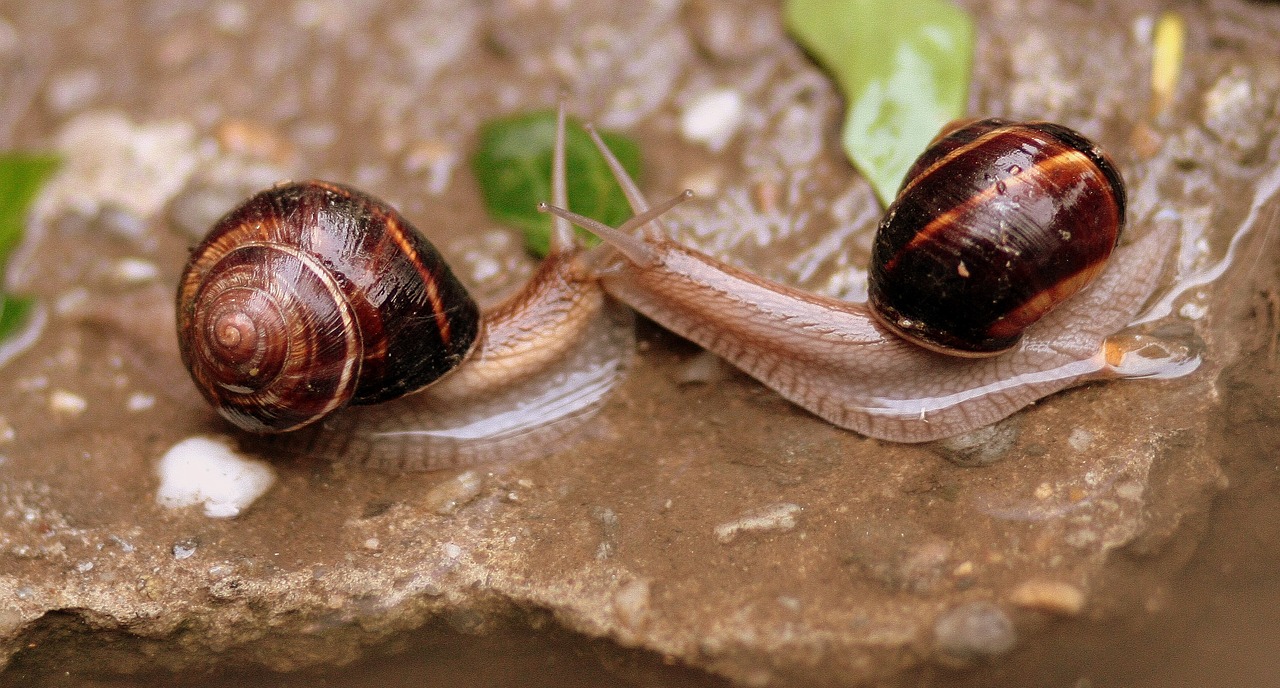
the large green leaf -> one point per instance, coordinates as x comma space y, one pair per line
21, 176
904, 68
513, 165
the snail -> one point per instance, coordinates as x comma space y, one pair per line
313, 297
873, 368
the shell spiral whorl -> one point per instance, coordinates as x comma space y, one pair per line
310, 296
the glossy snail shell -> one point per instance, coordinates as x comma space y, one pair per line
311, 296
996, 224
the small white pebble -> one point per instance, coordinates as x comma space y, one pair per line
67, 403
183, 550
134, 271
207, 470
775, 517
712, 118
84, 566
372, 544
1044, 491
139, 401
1193, 311
451, 550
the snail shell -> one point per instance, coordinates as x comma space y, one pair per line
843, 364
357, 307
996, 224
311, 296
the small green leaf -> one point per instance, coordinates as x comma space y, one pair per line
14, 314
903, 66
21, 177
513, 165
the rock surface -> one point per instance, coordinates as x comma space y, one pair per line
750, 539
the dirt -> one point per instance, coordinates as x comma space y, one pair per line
1124, 529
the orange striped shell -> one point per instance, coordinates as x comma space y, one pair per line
996, 224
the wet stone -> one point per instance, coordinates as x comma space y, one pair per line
700, 520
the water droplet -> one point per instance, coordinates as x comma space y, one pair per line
184, 549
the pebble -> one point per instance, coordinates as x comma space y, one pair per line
981, 447
209, 471
775, 517
712, 118
453, 494
140, 401
134, 271
1055, 597
973, 631
67, 403
112, 163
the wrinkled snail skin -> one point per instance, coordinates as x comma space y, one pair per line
838, 361
316, 260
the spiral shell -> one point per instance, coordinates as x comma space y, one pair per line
311, 296
996, 224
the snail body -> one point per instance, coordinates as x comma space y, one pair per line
840, 361
314, 297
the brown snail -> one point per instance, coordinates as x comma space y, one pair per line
841, 362
313, 296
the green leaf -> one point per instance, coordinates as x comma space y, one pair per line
903, 66
513, 165
14, 313
21, 177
